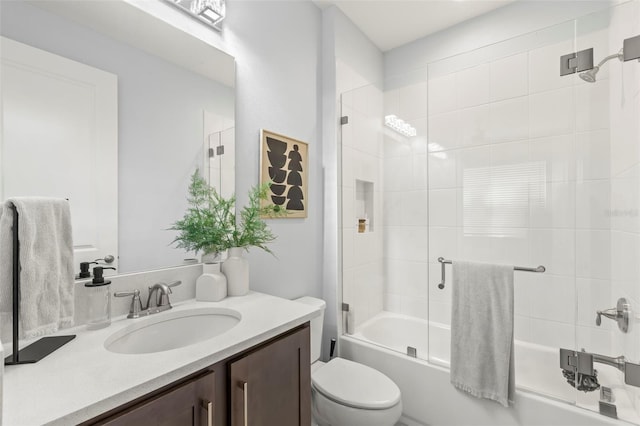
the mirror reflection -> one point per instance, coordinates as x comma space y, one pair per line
113, 109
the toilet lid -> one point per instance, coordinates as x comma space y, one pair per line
355, 385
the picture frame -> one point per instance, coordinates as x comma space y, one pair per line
284, 162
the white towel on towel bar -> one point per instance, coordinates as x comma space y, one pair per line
46, 261
482, 361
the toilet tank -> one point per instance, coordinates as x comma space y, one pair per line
316, 325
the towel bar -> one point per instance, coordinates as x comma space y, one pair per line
444, 261
45, 345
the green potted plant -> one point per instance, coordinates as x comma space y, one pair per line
210, 226
208, 222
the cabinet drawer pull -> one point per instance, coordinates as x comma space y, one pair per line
245, 390
208, 405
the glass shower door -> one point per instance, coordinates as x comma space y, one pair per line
362, 238
384, 215
501, 191
406, 232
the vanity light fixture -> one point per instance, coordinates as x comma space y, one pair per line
211, 12
399, 125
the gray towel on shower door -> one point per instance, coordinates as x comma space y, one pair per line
482, 362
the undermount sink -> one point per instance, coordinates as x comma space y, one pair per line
172, 330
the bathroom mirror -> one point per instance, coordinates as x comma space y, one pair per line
174, 99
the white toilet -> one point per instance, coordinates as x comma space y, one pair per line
346, 393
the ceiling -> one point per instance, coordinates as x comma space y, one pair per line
392, 23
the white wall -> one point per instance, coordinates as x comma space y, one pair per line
278, 78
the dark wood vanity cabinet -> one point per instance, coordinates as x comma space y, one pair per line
190, 403
269, 384
272, 385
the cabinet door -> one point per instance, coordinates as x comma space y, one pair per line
190, 403
272, 385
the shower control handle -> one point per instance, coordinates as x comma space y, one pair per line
620, 314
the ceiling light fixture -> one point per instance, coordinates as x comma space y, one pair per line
399, 125
211, 12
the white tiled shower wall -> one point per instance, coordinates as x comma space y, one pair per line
624, 212
519, 175
526, 168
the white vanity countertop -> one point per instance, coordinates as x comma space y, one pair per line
82, 379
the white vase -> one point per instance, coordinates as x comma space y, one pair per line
211, 286
212, 257
236, 269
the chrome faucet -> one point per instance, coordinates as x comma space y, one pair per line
158, 294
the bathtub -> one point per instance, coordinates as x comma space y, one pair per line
542, 398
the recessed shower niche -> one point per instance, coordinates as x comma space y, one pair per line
364, 206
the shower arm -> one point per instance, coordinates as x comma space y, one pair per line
618, 55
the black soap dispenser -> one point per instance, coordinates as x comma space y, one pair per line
84, 269
99, 303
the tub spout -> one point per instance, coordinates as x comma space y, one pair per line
617, 362
577, 368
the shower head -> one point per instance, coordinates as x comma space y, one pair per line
590, 76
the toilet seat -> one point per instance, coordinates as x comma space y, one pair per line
355, 385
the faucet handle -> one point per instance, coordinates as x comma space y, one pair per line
136, 303
174, 284
609, 313
127, 293
620, 314
164, 297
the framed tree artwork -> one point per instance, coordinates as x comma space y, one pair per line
284, 162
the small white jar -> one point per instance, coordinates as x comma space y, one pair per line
211, 286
